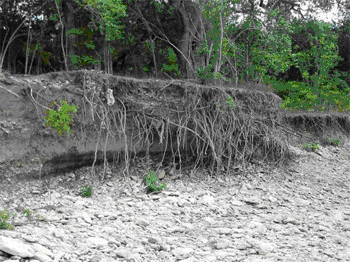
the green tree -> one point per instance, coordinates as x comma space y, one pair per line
322, 56
106, 19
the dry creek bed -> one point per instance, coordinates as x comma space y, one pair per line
298, 214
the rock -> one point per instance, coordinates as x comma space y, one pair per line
189, 221
15, 247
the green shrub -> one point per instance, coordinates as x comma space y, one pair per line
334, 142
152, 182
314, 147
4, 216
62, 119
86, 191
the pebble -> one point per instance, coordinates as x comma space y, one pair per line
263, 216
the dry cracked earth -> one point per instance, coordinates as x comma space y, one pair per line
263, 214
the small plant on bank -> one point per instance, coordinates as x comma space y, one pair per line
152, 182
86, 191
4, 216
61, 119
27, 212
334, 142
314, 147
229, 101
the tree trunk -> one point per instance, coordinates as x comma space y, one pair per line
68, 11
190, 15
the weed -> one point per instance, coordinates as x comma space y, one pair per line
152, 182
314, 147
27, 212
334, 142
86, 191
4, 216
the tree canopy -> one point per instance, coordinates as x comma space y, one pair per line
208, 41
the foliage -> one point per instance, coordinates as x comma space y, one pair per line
173, 67
229, 101
106, 19
316, 88
334, 142
215, 46
313, 147
107, 13
62, 119
4, 216
83, 61
86, 191
122, 28
27, 212
152, 182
